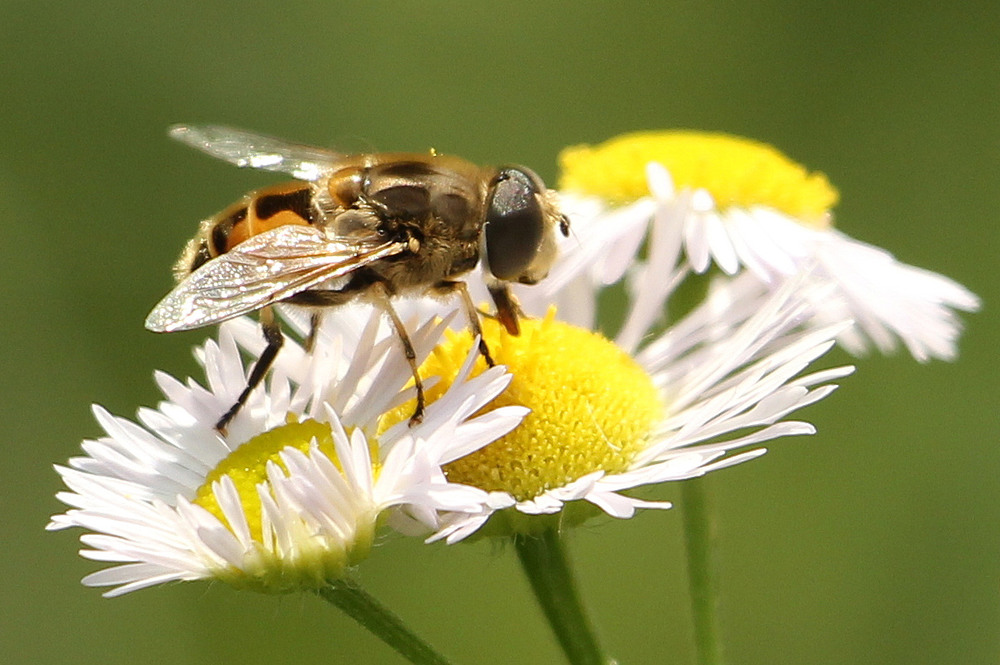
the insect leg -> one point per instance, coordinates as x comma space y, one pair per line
471, 313
380, 295
272, 334
318, 298
508, 309
383, 301
314, 321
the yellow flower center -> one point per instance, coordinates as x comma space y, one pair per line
592, 407
735, 171
247, 466
313, 558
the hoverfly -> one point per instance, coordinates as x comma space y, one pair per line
357, 227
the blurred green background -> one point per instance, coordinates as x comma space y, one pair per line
876, 541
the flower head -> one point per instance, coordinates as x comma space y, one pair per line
604, 421
737, 204
298, 489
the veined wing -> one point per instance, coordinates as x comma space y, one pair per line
246, 149
261, 270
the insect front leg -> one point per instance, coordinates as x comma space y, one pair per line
508, 309
272, 334
471, 313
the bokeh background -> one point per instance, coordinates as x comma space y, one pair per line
874, 542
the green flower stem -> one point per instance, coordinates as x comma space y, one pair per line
356, 603
544, 561
699, 536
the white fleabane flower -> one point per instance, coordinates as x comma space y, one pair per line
701, 396
737, 204
295, 492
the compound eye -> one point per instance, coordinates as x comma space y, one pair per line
515, 224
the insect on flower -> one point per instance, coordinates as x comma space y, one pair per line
357, 227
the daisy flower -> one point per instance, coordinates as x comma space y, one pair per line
604, 421
737, 204
297, 490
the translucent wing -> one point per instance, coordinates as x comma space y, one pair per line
261, 270
246, 149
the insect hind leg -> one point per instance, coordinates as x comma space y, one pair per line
272, 334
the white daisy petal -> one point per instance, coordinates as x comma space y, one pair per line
615, 505
655, 280
723, 381
741, 204
891, 300
154, 507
